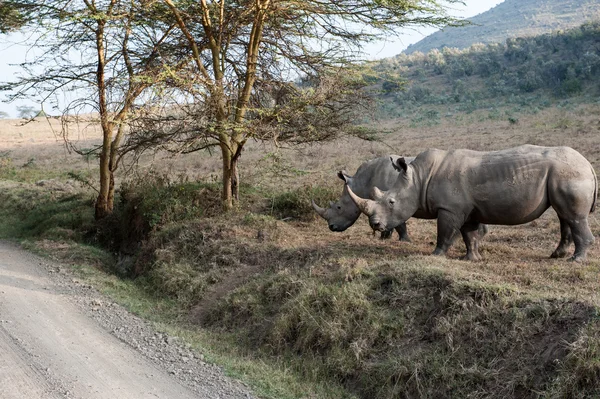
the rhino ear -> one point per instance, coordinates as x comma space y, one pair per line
342, 174
400, 164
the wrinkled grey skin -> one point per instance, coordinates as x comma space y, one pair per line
379, 172
465, 188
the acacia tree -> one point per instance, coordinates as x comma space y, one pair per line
241, 55
92, 57
10, 18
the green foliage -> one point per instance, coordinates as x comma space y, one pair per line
149, 204
494, 114
10, 17
29, 172
276, 166
571, 86
429, 117
540, 69
391, 81
391, 86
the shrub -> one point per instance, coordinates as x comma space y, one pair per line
296, 203
571, 86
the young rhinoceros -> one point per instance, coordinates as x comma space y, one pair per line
464, 188
378, 172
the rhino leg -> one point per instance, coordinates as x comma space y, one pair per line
402, 232
565, 240
582, 236
386, 234
471, 233
447, 229
482, 229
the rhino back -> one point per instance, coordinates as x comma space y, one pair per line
511, 186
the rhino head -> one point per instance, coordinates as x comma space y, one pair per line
340, 214
388, 209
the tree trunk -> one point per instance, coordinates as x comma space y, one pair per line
111, 192
227, 194
231, 175
235, 179
105, 205
103, 208
235, 172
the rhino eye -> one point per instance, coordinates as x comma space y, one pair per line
392, 201
339, 207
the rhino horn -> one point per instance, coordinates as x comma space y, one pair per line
363, 204
377, 194
318, 209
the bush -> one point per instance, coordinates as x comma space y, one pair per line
296, 204
571, 86
159, 201
429, 117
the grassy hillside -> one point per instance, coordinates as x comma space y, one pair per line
270, 285
512, 18
531, 73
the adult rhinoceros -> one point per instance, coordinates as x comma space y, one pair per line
378, 172
464, 188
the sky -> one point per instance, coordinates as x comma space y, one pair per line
12, 53
410, 36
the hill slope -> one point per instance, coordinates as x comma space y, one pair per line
528, 73
513, 18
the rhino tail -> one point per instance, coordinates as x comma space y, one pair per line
595, 190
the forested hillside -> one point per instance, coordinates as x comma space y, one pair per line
531, 71
513, 18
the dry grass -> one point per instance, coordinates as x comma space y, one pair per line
576, 126
513, 255
516, 255
258, 272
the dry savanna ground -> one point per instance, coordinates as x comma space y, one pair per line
292, 285
514, 255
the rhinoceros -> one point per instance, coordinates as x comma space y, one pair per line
465, 188
378, 172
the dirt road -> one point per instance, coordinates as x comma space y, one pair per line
60, 339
